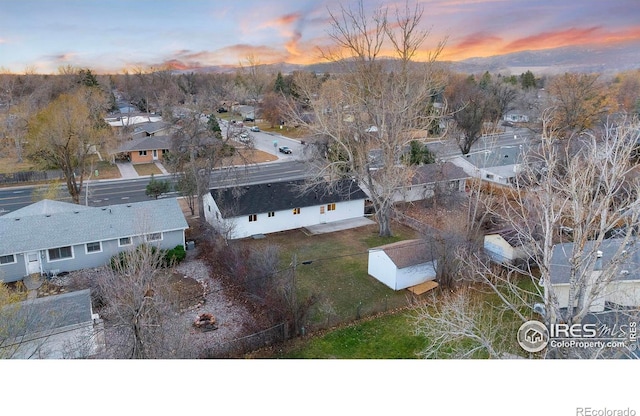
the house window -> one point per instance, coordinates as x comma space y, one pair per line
331, 207
94, 247
154, 237
489, 176
7, 259
253, 217
142, 152
296, 211
124, 241
321, 209
165, 151
271, 214
60, 253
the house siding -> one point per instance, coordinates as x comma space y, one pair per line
382, 268
8, 272
414, 275
83, 260
241, 227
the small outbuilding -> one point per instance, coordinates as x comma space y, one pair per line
403, 264
504, 246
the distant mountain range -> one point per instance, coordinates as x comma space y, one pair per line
609, 59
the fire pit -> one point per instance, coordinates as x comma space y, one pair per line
205, 322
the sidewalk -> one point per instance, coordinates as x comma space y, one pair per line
126, 170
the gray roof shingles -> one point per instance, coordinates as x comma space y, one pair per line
277, 196
560, 268
407, 253
35, 228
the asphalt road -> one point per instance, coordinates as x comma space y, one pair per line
122, 191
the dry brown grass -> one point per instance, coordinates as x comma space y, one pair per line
146, 169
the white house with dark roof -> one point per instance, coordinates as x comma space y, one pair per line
49, 237
621, 287
264, 208
403, 264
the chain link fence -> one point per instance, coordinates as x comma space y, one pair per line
30, 176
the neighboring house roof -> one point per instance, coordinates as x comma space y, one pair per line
435, 172
151, 127
145, 143
57, 326
50, 312
48, 224
499, 156
629, 269
407, 253
277, 196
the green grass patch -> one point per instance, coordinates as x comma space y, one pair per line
390, 336
337, 274
146, 169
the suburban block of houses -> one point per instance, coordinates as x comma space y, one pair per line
244, 211
50, 237
623, 290
403, 264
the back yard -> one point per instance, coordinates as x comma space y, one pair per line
333, 267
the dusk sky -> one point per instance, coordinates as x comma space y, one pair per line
110, 36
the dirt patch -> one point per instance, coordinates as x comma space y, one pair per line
188, 291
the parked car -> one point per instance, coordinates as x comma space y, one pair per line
244, 138
284, 149
255, 128
222, 110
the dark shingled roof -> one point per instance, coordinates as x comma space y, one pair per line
435, 172
407, 253
277, 196
146, 143
560, 267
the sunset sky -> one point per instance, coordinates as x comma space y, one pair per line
109, 36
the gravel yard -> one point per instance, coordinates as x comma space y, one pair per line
233, 320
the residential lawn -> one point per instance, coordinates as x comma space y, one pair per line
390, 336
105, 171
337, 274
146, 169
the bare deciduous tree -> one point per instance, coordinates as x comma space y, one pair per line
586, 185
139, 307
372, 107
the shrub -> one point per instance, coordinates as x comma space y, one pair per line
175, 255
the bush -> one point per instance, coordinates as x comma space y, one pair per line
175, 255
